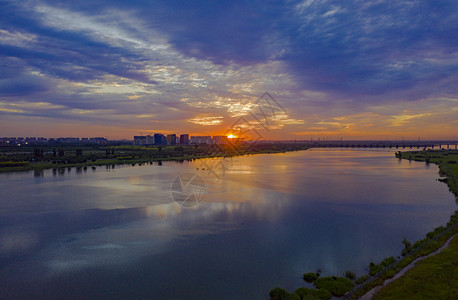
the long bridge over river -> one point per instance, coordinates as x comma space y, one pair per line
446, 145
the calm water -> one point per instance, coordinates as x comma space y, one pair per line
117, 233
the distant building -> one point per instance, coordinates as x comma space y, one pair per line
139, 140
197, 140
98, 140
171, 139
184, 139
149, 140
159, 139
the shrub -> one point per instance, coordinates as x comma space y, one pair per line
282, 294
312, 294
404, 252
387, 261
350, 275
310, 277
374, 269
419, 243
361, 279
321, 294
404, 262
389, 274
338, 286
406, 243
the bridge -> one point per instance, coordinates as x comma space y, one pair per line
446, 145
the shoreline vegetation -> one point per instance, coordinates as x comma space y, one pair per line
439, 271
39, 158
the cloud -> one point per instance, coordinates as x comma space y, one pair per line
175, 61
207, 121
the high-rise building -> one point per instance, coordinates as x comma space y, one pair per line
149, 140
184, 139
159, 139
139, 140
171, 139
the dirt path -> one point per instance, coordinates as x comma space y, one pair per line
372, 292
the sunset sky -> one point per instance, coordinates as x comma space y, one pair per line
340, 69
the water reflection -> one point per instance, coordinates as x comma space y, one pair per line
38, 173
267, 221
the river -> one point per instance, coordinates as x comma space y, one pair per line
257, 222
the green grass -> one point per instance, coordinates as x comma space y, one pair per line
435, 277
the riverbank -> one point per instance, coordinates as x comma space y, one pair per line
448, 170
434, 240
447, 160
37, 159
433, 277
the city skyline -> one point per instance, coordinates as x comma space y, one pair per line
356, 70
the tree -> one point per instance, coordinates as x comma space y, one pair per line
61, 152
37, 153
79, 152
406, 243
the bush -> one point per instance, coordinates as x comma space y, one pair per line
389, 274
388, 261
405, 261
362, 279
406, 243
338, 286
282, 294
404, 252
321, 294
310, 277
374, 269
419, 243
312, 294
350, 275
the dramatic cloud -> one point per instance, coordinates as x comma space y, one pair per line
361, 69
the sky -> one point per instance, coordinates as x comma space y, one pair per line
356, 69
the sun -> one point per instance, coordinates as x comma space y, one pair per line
231, 136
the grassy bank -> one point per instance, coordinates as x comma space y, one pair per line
435, 277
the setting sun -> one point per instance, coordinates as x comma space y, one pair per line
231, 136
